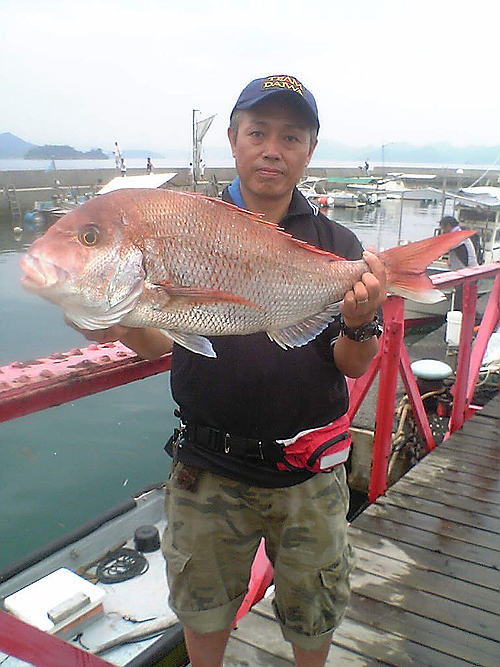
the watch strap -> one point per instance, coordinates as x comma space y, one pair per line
362, 333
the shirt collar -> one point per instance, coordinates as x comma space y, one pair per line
299, 205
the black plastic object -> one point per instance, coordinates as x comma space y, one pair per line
147, 538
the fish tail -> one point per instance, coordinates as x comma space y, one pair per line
405, 265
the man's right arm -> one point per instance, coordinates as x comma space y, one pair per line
146, 343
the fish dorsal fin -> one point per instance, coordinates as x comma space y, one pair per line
259, 219
303, 332
192, 342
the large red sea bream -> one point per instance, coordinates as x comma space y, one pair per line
195, 266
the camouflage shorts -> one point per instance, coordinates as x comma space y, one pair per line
214, 532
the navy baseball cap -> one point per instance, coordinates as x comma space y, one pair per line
278, 84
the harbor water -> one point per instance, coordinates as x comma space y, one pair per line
63, 466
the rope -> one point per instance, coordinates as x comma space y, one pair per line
486, 172
121, 565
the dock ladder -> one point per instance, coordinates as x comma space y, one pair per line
13, 203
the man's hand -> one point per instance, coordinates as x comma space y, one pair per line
146, 343
359, 307
368, 294
109, 335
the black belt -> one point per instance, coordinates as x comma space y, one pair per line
220, 442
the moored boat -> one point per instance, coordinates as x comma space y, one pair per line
119, 552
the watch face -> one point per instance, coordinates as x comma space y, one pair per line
367, 332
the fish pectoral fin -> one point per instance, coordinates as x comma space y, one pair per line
192, 342
204, 295
304, 332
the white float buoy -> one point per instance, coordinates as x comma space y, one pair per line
431, 369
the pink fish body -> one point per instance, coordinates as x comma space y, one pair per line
193, 266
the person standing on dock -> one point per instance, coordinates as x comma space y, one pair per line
256, 401
461, 257
118, 155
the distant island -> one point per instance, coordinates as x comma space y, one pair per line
50, 151
12, 147
391, 153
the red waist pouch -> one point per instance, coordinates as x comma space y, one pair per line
319, 449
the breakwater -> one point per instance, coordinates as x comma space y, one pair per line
37, 185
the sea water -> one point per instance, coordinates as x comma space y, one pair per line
65, 465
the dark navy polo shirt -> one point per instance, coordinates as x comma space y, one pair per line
255, 389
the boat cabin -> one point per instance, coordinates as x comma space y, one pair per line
479, 209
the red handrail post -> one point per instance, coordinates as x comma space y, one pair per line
489, 323
461, 400
416, 402
389, 368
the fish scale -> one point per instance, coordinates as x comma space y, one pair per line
195, 267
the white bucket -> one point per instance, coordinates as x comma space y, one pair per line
453, 327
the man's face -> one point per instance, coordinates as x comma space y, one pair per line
272, 148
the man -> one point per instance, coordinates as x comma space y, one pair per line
461, 257
242, 410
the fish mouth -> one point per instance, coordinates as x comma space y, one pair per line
40, 273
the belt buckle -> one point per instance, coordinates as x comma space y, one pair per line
180, 434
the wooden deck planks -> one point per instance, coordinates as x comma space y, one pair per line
426, 589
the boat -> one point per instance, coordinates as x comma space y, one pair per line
45, 213
478, 209
339, 199
315, 189
118, 544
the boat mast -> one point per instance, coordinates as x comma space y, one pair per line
196, 156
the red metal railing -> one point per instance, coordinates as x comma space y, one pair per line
38, 648
31, 386
393, 357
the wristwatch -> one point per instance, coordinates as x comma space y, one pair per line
362, 333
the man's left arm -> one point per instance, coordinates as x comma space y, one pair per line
360, 307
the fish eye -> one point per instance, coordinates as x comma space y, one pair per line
89, 236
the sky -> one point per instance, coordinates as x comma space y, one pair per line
88, 74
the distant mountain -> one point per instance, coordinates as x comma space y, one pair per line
394, 152
63, 153
12, 146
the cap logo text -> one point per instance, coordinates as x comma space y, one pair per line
283, 83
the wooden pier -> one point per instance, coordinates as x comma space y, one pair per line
426, 590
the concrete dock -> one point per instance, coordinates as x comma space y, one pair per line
38, 185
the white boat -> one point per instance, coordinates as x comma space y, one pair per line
477, 209
340, 199
315, 189
398, 185
138, 604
